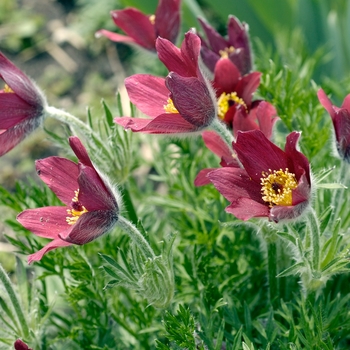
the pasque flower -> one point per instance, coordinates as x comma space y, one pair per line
21, 106
183, 102
21, 345
341, 122
142, 29
272, 183
91, 208
236, 46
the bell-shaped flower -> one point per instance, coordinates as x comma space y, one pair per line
142, 29
236, 47
341, 123
91, 207
21, 106
272, 183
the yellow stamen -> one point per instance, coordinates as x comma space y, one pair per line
152, 19
224, 103
226, 51
75, 214
7, 89
277, 187
170, 108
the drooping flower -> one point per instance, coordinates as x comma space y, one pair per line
91, 208
341, 123
142, 29
272, 183
236, 47
183, 102
21, 106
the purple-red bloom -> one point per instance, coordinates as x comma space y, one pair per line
236, 47
21, 106
142, 29
91, 206
183, 102
272, 183
341, 122
20, 345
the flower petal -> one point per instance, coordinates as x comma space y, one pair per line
167, 123
90, 226
45, 222
202, 178
148, 93
80, 151
258, 154
56, 243
60, 175
266, 115
119, 38
226, 77
245, 209
247, 86
216, 41
192, 99
216, 144
136, 25
326, 102
167, 22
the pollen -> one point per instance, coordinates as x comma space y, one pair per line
277, 187
226, 51
225, 101
7, 89
169, 107
76, 211
152, 19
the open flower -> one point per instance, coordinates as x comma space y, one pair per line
91, 206
21, 106
142, 29
341, 122
272, 183
236, 47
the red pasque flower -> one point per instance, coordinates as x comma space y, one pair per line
21, 106
91, 206
142, 29
233, 90
341, 123
21, 345
236, 46
272, 183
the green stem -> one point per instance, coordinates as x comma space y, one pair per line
222, 130
128, 204
272, 271
315, 239
15, 302
136, 236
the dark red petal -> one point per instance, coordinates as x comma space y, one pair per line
148, 93
192, 99
190, 50
326, 102
56, 243
242, 121
246, 208
202, 178
119, 38
20, 83
297, 162
346, 103
90, 226
167, 123
302, 192
80, 151
279, 212
209, 58
45, 222
216, 144
167, 22
136, 25
216, 41
61, 175
13, 136
20, 345
94, 194
258, 154
341, 123
235, 183
226, 76
266, 115
247, 86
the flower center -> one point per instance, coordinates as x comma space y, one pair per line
169, 107
226, 51
152, 19
77, 210
225, 101
7, 89
277, 187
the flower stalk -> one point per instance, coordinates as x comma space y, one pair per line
315, 239
223, 131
